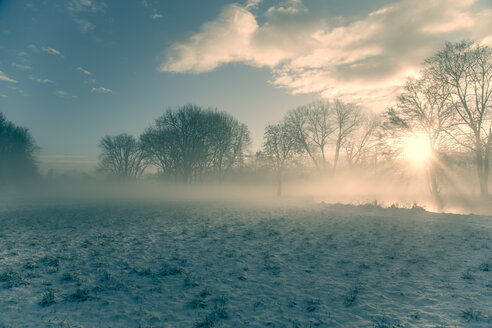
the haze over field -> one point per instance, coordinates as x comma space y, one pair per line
258, 163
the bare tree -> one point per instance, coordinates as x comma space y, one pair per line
121, 156
423, 107
362, 141
298, 122
347, 117
466, 68
321, 126
228, 142
312, 126
279, 146
190, 141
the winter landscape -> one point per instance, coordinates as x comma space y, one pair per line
260, 163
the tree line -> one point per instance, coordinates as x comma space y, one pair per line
185, 144
450, 103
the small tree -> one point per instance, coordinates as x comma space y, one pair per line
279, 146
121, 156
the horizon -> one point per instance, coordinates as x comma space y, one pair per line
75, 72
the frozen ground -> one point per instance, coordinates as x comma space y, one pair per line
204, 265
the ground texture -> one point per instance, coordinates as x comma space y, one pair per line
204, 265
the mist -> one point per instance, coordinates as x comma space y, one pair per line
281, 163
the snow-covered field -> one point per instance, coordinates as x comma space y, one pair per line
199, 264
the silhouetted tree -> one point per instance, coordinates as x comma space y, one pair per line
424, 108
466, 69
312, 126
363, 141
347, 118
190, 141
279, 147
121, 156
17, 152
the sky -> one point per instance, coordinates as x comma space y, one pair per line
73, 71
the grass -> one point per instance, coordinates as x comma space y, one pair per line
470, 314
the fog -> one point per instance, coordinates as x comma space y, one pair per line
389, 186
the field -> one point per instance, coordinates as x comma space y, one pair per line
202, 264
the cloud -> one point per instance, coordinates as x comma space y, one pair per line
62, 93
252, 4
3, 96
22, 67
156, 16
51, 51
101, 90
363, 59
84, 25
84, 71
93, 6
36, 79
5, 78
33, 48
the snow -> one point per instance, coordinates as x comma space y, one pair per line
200, 264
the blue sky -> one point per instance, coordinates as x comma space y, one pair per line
74, 71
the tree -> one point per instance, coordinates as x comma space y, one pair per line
466, 68
312, 126
347, 117
17, 152
363, 140
121, 156
423, 108
190, 141
279, 146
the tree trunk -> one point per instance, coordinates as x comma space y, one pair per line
279, 185
482, 171
337, 155
434, 185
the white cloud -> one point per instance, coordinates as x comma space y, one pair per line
22, 67
51, 51
62, 93
5, 78
252, 4
84, 71
36, 79
101, 90
3, 96
156, 16
84, 25
362, 59
33, 48
93, 6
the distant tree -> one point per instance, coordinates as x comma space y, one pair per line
311, 126
228, 142
17, 152
363, 141
190, 141
280, 147
121, 156
424, 108
299, 125
466, 69
347, 118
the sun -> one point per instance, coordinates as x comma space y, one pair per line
417, 151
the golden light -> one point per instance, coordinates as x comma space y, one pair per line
417, 151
